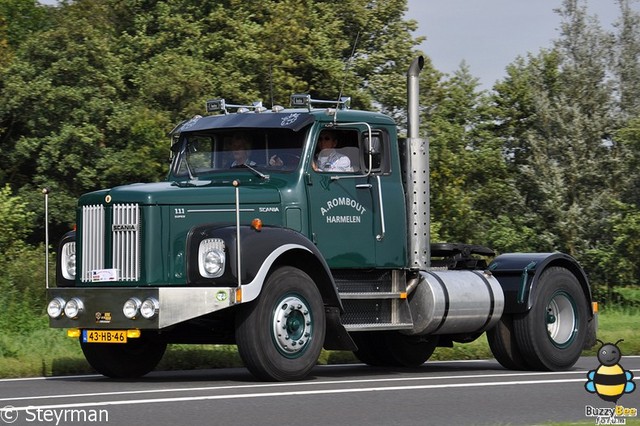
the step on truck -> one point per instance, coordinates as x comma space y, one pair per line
255, 240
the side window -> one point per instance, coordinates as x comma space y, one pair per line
200, 153
337, 151
378, 150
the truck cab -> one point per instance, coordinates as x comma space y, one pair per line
288, 230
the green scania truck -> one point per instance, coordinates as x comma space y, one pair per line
282, 259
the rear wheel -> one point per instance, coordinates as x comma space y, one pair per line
503, 344
410, 351
393, 349
280, 334
372, 349
132, 359
552, 334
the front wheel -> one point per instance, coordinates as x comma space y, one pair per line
129, 360
552, 334
280, 334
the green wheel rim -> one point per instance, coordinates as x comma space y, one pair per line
562, 319
292, 326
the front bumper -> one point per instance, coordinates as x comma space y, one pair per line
102, 307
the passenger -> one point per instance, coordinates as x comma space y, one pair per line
328, 159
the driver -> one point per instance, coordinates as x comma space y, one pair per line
241, 150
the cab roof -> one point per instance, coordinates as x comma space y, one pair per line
294, 119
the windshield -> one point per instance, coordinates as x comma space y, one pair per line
202, 153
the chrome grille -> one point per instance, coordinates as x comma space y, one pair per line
126, 241
92, 240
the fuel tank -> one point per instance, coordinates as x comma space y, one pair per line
455, 302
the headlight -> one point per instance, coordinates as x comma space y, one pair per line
73, 308
55, 308
149, 308
211, 258
68, 261
131, 308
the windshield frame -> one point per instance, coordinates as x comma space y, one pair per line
207, 153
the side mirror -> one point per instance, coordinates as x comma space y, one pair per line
374, 146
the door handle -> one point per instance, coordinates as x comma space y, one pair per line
380, 236
364, 186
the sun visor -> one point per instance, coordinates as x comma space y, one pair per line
282, 120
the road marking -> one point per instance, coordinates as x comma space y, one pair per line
292, 393
297, 393
82, 376
293, 384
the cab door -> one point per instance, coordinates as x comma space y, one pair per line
341, 208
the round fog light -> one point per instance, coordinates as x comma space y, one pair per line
73, 308
149, 308
131, 308
55, 308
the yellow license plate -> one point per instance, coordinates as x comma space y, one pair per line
104, 336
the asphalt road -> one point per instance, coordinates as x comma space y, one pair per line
438, 393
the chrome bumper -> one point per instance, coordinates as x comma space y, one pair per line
103, 306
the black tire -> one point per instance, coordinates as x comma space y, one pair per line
393, 349
503, 344
372, 349
129, 360
289, 302
552, 334
410, 351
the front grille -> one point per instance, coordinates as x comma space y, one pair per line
92, 240
124, 237
126, 241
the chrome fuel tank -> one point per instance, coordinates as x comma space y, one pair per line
455, 302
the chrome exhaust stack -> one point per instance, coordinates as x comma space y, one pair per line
416, 175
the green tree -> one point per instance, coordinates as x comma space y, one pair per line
21, 19
16, 221
553, 113
626, 64
474, 197
87, 102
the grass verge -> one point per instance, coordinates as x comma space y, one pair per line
48, 352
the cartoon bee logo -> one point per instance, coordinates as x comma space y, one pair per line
610, 381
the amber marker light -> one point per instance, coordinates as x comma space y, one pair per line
133, 333
73, 332
238, 295
256, 224
594, 307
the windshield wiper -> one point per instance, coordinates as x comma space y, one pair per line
257, 172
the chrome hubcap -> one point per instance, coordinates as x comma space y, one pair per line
292, 326
561, 319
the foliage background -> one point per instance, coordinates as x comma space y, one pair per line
546, 160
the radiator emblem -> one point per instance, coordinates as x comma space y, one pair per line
124, 227
103, 317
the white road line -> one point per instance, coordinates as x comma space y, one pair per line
27, 379
297, 384
290, 384
289, 393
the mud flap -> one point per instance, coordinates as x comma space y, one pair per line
336, 337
